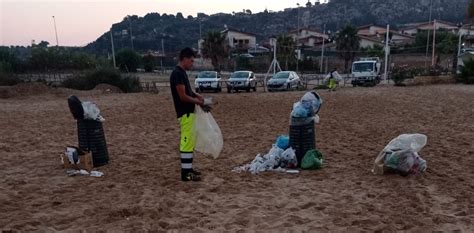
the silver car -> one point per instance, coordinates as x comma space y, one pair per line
208, 80
242, 80
284, 80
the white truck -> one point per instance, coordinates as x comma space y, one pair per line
366, 72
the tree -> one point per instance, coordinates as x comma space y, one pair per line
470, 11
285, 49
8, 60
375, 51
248, 11
347, 43
128, 60
215, 47
149, 62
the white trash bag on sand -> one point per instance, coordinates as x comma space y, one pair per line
208, 134
401, 155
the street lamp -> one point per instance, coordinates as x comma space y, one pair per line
56, 31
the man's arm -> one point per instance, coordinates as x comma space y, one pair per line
186, 98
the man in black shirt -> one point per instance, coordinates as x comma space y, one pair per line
184, 102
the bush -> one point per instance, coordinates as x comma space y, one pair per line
8, 80
467, 72
399, 74
112, 77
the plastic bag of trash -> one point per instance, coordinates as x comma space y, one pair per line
300, 111
312, 102
288, 159
401, 155
91, 111
313, 159
208, 134
283, 142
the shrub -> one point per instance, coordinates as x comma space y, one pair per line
400, 74
112, 77
8, 80
467, 72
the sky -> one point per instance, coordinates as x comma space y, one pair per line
79, 22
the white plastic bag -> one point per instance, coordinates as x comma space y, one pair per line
401, 154
91, 111
208, 134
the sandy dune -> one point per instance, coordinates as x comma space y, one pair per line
141, 188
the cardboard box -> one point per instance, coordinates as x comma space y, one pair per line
85, 162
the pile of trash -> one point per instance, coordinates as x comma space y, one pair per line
280, 158
401, 156
306, 110
84, 110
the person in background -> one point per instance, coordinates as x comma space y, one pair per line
332, 79
184, 103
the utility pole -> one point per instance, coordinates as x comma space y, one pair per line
56, 31
387, 51
130, 28
459, 42
322, 50
428, 36
162, 52
113, 49
297, 39
434, 44
200, 29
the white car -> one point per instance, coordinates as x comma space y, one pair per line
208, 80
284, 80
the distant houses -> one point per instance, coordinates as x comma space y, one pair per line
371, 35
413, 28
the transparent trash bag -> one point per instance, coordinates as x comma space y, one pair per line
208, 134
91, 111
401, 155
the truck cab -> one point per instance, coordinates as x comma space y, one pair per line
366, 72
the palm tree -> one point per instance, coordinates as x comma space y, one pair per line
215, 47
470, 11
285, 49
347, 43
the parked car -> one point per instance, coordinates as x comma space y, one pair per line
284, 80
242, 80
208, 80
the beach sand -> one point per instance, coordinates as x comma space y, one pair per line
141, 189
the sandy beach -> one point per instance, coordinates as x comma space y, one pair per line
141, 189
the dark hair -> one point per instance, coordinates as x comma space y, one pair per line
186, 53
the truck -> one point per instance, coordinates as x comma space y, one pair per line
366, 72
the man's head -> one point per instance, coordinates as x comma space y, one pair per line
186, 58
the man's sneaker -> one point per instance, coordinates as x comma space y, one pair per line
190, 176
195, 172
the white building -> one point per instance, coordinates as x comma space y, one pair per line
240, 40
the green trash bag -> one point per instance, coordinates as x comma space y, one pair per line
313, 159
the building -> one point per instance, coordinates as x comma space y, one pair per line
306, 37
371, 35
239, 40
414, 28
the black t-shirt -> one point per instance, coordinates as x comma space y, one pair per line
179, 77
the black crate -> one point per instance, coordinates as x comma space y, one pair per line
92, 138
302, 139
